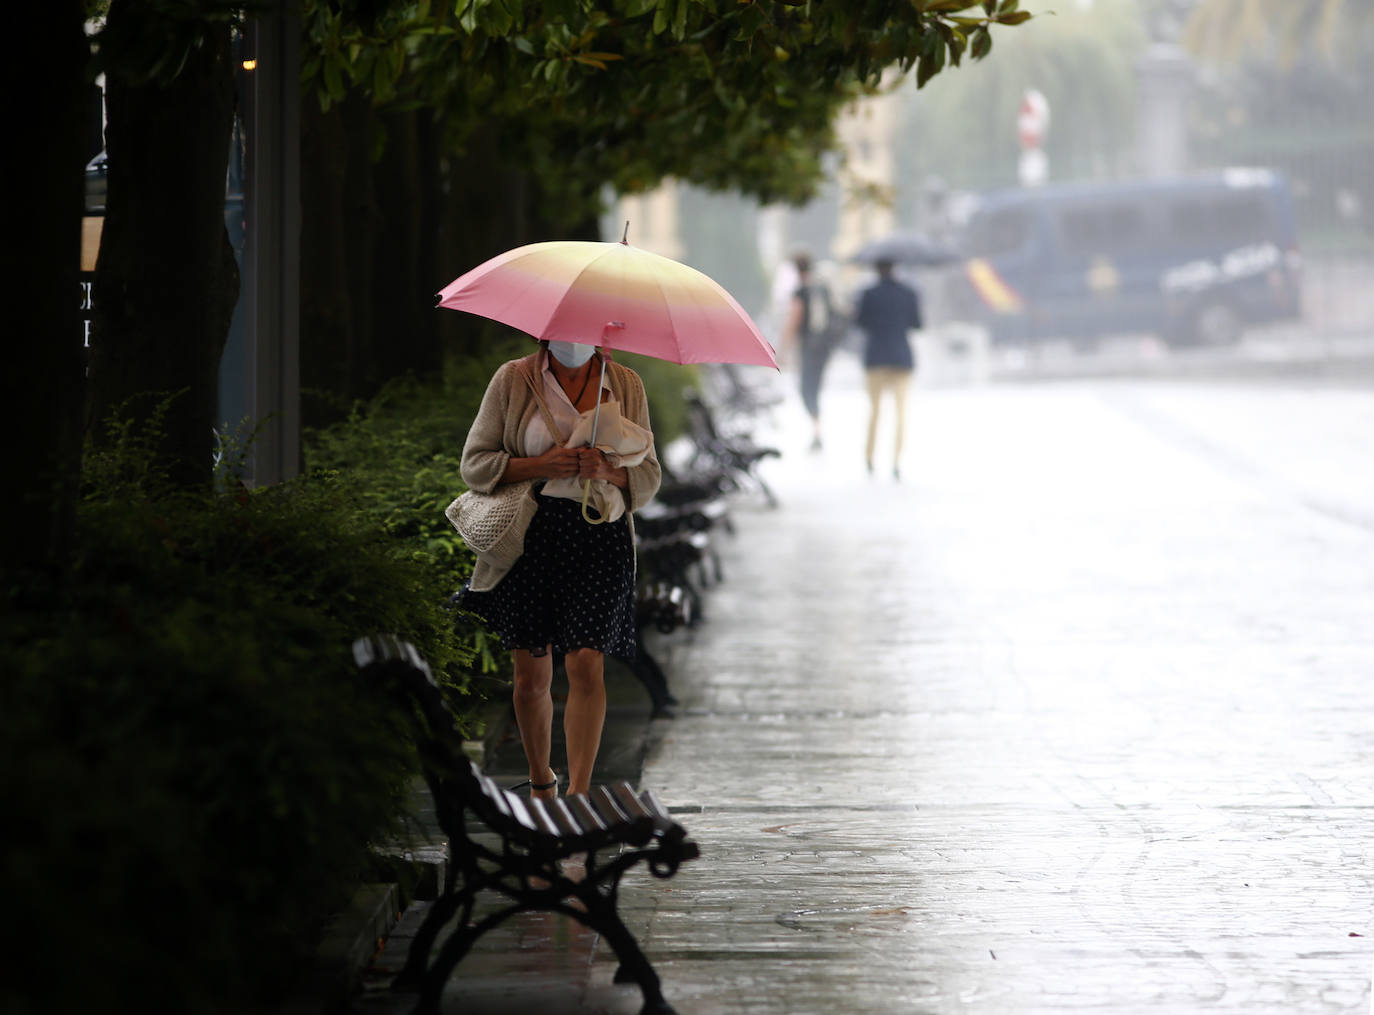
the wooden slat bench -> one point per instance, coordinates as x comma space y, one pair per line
737, 454
535, 837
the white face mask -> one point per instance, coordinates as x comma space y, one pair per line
571, 354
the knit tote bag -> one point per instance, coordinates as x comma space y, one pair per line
493, 524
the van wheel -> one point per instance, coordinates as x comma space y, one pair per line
1216, 324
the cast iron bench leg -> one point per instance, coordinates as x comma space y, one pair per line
442, 910
634, 967
454, 949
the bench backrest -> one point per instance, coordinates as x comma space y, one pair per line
612, 813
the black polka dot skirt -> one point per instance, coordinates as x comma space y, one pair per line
573, 587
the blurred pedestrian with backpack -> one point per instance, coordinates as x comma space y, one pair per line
886, 312
809, 332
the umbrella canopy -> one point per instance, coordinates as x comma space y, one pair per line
906, 248
613, 295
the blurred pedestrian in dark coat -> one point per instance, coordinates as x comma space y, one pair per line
886, 312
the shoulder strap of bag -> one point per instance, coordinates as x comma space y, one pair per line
527, 373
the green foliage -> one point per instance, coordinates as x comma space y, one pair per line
193, 767
717, 93
192, 798
399, 457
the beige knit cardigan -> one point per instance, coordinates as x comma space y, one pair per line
498, 434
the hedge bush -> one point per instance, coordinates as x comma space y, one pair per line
192, 767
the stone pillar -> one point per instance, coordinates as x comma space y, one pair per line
771, 238
653, 221
1164, 83
866, 131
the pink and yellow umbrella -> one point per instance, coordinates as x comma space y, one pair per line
612, 295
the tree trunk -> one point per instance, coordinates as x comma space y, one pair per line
380, 239
431, 225
338, 222
402, 294
360, 225
43, 388
166, 282
328, 330
490, 207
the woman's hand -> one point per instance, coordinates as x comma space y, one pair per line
592, 464
556, 463
566, 463
559, 463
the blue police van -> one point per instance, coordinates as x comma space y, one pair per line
1195, 260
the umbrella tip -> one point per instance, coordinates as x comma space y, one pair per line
625, 236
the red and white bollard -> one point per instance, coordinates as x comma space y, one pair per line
1032, 120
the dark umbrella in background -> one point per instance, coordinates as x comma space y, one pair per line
906, 248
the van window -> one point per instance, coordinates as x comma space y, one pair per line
1096, 228
998, 232
1228, 220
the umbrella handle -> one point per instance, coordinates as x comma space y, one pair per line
596, 418
586, 495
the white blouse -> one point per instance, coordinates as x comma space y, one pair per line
564, 413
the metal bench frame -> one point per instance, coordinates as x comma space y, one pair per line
536, 836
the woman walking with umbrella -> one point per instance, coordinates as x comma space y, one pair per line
570, 589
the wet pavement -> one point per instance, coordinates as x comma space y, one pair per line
1076, 717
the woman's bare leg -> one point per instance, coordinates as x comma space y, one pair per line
899, 386
533, 701
874, 380
584, 715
